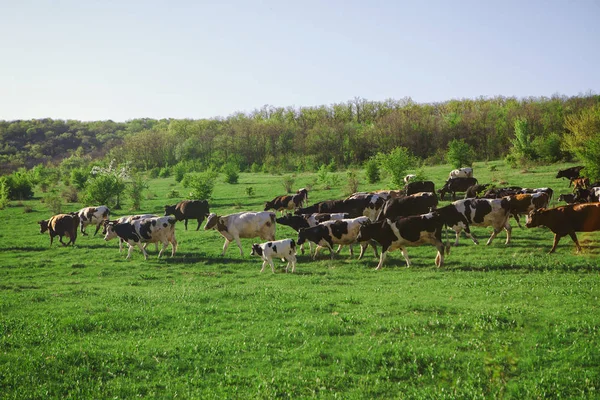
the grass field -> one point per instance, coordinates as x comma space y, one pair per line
494, 322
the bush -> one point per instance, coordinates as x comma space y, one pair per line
232, 173
70, 195
396, 163
288, 183
201, 183
173, 194
105, 190
136, 189
164, 172
79, 177
153, 173
460, 154
255, 168
179, 170
353, 182
4, 193
19, 185
523, 151
584, 139
250, 191
372, 171
53, 202
549, 148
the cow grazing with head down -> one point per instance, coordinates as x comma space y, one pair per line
419, 187
466, 172
410, 231
189, 209
567, 220
92, 216
456, 185
144, 230
415, 204
570, 173
243, 225
340, 232
61, 225
285, 249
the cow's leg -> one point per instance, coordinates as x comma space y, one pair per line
272, 265
185, 224
199, 223
97, 228
120, 245
516, 217
82, 228
310, 248
302, 248
51, 239
493, 235
457, 232
363, 246
340, 248
143, 250
574, 237
74, 237
508, 230
556, 239
439, 259
293, 262
165, 244
239, 243
381, 259
60, 239
129, 251
374, 245
405, 254
264, 264
173, 246
316, 252
225, 246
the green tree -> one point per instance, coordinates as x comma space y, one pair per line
202, 184
396, 163
460, 154
372, 170
583, 139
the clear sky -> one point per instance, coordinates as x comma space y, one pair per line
119, 60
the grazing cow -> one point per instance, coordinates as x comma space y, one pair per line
189, 209
415, 204
409, 177
568, 198
129, 218
92, 215
498, 193
476, 191
296, 222
144, 230
570, 173
242, 225
403, 232
456, 185
418, 187
61, 225
466, 172
285, 249
567, 220
580, 183
522, 204
484, 213
340, 232
546, 190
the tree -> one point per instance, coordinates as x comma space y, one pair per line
460, 154
396, 163
523, 150
106, 185
583, 139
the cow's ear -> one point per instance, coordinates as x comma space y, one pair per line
301, 230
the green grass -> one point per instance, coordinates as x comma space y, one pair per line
496, 321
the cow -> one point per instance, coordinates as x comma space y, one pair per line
296, 222
61, 225
144, 230
567, 220
189, 209
389, 194
484, 213
415, 204
340, 232
418, 187
476, 191
522, 204
92, 215
244, 225
285, 249
280, 203
402, 232
129, 218
570, 173
568, 198
301, 197
456, 185
546, 190
590, 195
498, 193
580, 183
466, 172
409, 177
356, 207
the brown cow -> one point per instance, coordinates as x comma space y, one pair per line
580, 183
567, 220
61, 225
522, 204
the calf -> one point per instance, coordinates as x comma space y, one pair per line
418, 187
484, 213
341, 232
456, 185
466, 172
570, 173
145, 230
522, 204
189, 209
61, 225
567, 220
285, 249
301, 197
568, 198
415, 204
403, 232
92, 215
242, 225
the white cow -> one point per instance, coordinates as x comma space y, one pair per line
485, 212
243, 225
141, 231
285, 249
409, 177
92, 215
466, 172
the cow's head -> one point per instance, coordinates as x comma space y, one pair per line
256, 250
268, 206
301, 236
535, 218
367, 230
43, 225
170, 210
108, 230
212, 221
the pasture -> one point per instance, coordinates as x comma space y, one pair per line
495, 321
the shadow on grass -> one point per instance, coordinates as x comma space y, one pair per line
27, 248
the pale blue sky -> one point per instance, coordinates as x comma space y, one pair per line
119, 60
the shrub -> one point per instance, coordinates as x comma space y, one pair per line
250, 191
396, 163
460, 154
353, 182
19, 185
201, 183
70, 195
255, 168
136, 189
372, 171
523, 151
153, 173
53, 202
79, 177
173, 194
232, 173
179, 170
4, 193
288, 183
164, 172
548, 148
584, 139
104, 189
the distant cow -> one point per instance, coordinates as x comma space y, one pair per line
189, 209
141, 231
456, 185
418, 187
285, 248
570, 173
409, 177
288, 202
61, 225
567, 220
522, 204
301, 197
410, 231
546, 190
466, 172
92, 215
243, 225
418, 203
356, 207
476, 191
568, 198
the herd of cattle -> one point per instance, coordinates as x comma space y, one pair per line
393, 219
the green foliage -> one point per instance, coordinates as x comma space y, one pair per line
523, 151
104, 190
179, 170
164, 172
232, 173
201, 183
79, 177
136, 191
255, 167
173, 194
327, 179
19, 185
353, 181
4, 193
396, 163
53, 202
154, 172
583, 139
70, 194
549, 148
460, 154
372, 170
250, 191
288, 183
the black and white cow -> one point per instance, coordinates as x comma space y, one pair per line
243, 225
484, 213
456, 185
466, 172
285, 249
419, 187
145, 230
297, 222
415, 204
92, 215
129, 218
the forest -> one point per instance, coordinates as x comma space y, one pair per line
303, 138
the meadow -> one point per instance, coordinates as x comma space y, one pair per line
495, 322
